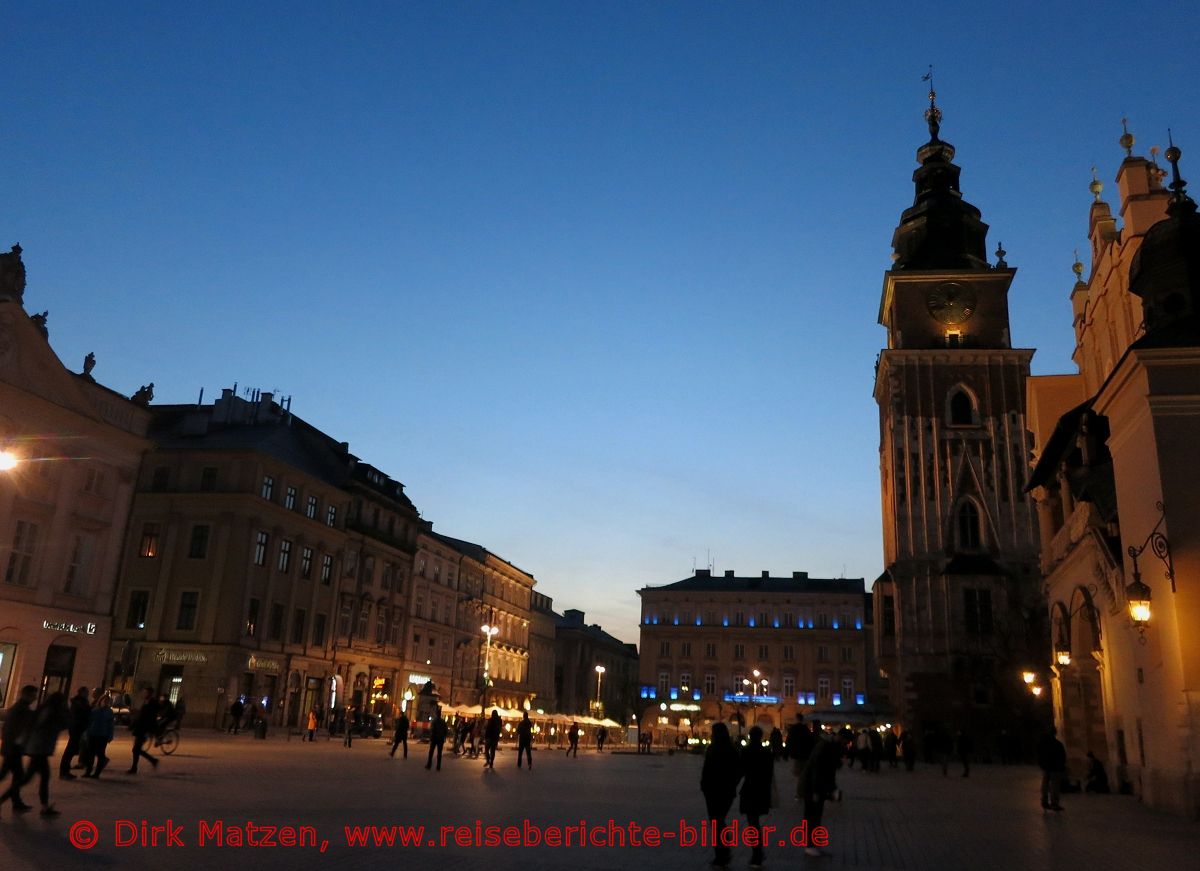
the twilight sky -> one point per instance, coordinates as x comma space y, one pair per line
597, 281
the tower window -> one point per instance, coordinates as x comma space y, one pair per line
961, 408
968, 526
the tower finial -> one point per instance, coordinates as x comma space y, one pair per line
1000, 252
933, 115
1179, 194
1077, 268
1126, 139
1097, 186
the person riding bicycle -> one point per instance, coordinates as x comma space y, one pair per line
168, 718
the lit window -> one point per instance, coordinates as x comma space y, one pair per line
268, 487
149, 546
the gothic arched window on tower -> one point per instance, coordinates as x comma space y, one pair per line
961, 408
968, 526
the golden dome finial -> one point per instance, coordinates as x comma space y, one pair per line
1126, 139
1077, 268
1097, 186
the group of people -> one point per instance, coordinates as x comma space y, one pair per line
815, 756
31, 732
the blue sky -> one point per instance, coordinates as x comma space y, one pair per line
598, 282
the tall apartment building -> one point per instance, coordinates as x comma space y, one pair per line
263, 561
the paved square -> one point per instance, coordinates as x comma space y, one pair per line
891, 820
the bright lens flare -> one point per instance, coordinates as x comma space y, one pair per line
8, 461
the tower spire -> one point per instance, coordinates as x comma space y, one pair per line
1126, 139
933, 115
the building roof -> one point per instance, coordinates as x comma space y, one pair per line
704, 582
477, 552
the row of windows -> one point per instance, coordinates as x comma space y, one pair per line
311, 507
275, 624
18, 570
764, 620
787, 651
666, 690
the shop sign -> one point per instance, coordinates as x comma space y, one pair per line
419, 679
164, 655
263, 663
75, 628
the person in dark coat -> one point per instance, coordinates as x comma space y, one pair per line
818, 780
53, 717
758, 771
875, 740
401, 736
80, 710
1052, 759
890, 745
601, 737
437, 738
1096, 778
525, 740
776, 742
236, 710
799, 746
99, 733
145, 726
573, 740
718, 782
18, 723
491, 739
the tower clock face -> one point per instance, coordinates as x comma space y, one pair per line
951, 303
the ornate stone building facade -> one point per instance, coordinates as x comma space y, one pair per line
740, 649
956, 608
1118, 492
69, 453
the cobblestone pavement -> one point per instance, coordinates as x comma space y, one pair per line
891, 820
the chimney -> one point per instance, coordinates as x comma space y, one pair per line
729, 573
799, 576
766, 574
703, 573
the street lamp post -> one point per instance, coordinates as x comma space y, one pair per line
599, 677
488, 631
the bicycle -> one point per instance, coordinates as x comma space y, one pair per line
167, 740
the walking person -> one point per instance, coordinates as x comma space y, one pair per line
79, 711
601, 737
437, 738
758, 771
312, 725
18, 723
818, 781
236, 711
99, 733
718, 782
1052, 759
890, 746
351, 723
525, 740
145, 725
573, 740
491, 739
401, 735
53, 717
798, 749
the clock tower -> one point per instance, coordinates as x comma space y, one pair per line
957, 605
